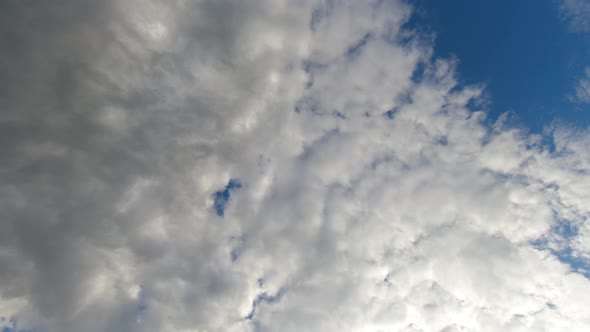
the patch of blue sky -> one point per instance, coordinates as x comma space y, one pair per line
13, 325
576, 263
564, 231
222, 197
16, 329
524, 53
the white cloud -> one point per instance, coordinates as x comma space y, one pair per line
371, 200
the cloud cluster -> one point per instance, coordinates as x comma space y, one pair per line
272, 166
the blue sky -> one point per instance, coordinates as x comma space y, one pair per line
523, 51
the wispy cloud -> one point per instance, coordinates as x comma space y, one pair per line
577, 14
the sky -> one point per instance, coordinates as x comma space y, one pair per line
529, 57
294, 165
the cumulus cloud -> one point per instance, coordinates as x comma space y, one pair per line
577, 14
272, 166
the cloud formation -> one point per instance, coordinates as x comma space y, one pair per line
272, 166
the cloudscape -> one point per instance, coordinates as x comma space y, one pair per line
285, 165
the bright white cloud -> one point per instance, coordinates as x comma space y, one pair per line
372, 199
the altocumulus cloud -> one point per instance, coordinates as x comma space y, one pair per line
272, 166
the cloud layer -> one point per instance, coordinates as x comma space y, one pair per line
272, 166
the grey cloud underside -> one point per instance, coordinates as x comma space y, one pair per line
370, 200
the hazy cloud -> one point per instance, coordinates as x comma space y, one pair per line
577, 14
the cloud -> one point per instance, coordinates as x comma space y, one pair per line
582, 94
577, 14
370, 197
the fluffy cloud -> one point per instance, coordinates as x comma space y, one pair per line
272, 166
